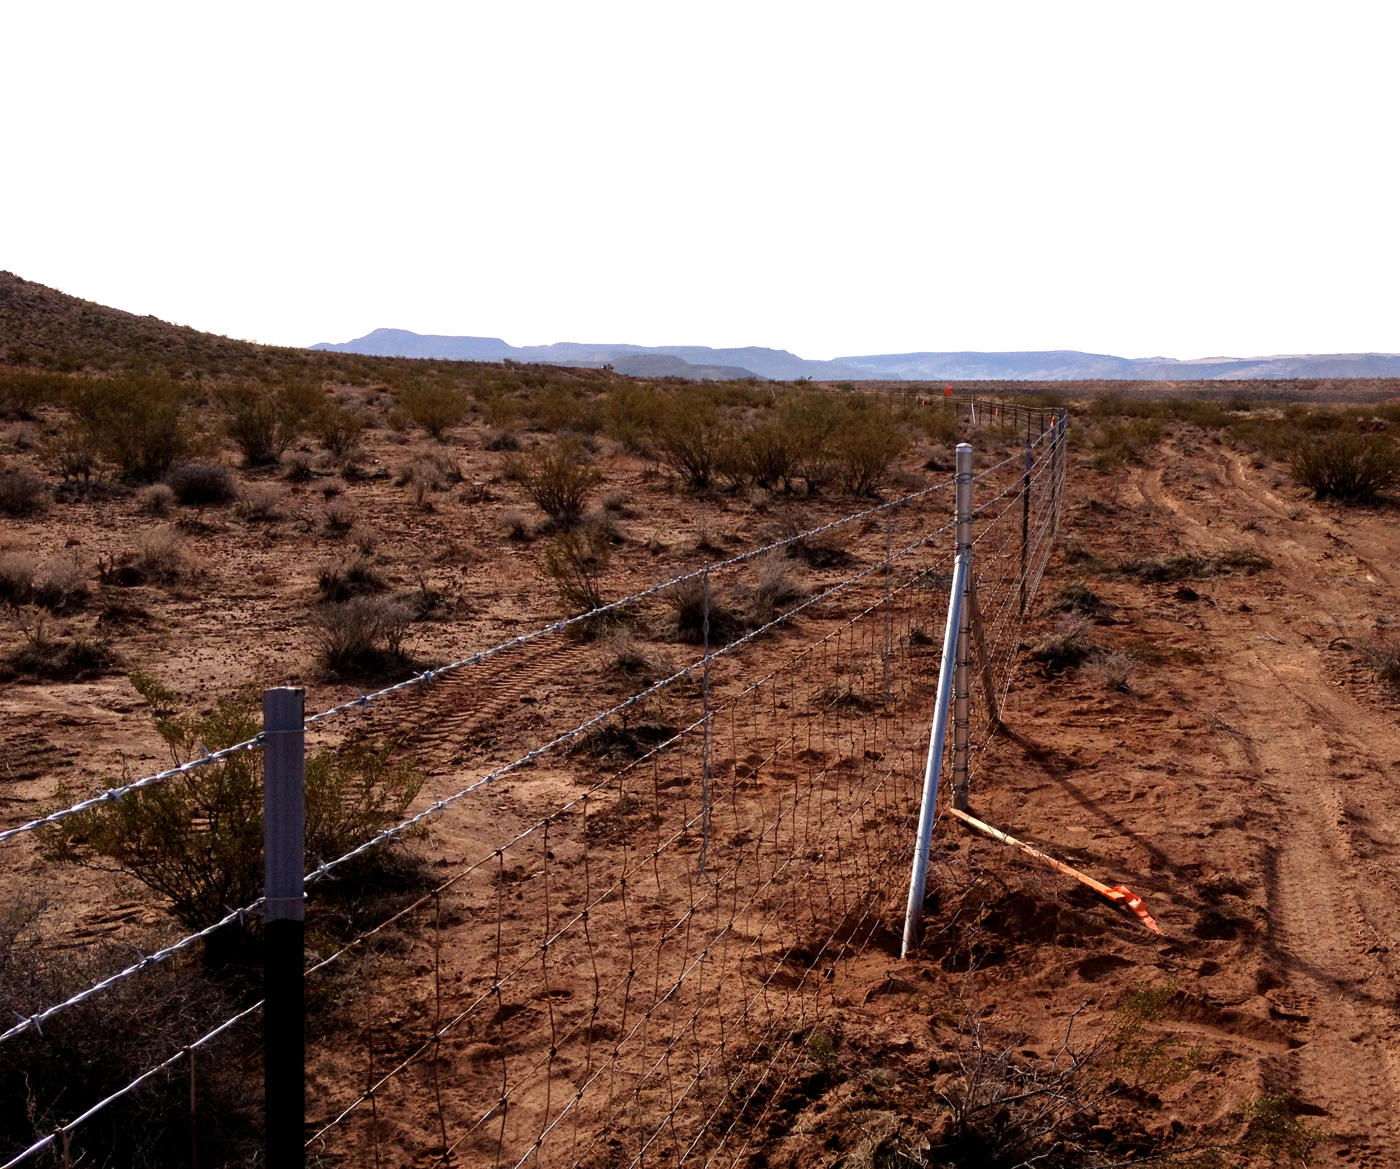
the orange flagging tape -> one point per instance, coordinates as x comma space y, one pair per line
1113, 893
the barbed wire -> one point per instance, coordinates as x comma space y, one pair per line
63, 1131
568, 736
116, 793
35, 1020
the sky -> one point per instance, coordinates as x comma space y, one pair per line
1183, 180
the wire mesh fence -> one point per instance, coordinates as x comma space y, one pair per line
656, 831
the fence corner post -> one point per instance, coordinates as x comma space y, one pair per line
928, 804
284, 912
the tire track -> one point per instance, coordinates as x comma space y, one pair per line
1327, 808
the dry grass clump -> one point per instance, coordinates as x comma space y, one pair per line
259, 503
1112, 670
774, 591
22, 493
821, 550
361, 637
1078, 597
342, 579
635, 659
158, 558
157, 499
61, 587
1382, 655
1066, 648
1190, 567
43, 656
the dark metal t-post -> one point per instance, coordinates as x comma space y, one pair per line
284, 858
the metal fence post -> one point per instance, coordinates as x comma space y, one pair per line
962, 685
1057, 468
928, 807
284, 859
1025, 521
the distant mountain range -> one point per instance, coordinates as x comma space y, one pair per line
700, 361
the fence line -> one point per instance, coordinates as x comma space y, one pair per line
721, 855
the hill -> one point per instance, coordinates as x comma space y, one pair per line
701, 361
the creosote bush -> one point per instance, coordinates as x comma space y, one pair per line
557, 480
141, 425
575, 561
197, 839
1347, 466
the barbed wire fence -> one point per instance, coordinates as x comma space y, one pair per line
643, 916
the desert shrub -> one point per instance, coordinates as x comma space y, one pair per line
575, 561
17, 573
632, 414
337, 429
502, 440
1116, 443
264, 420
435, 408
157, 499
22, 493
201, 484
557, 480
767, 455
197, 839
140, 424
22, 391
343, 579
361, 637
812, 421
939, 421
865, 445
89, 1051
1347, 466
561, 408
690, 438
71, 454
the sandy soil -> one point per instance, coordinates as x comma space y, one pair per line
1241, 784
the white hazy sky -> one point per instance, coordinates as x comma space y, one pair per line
1183, 179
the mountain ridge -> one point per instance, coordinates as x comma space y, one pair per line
707, 363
